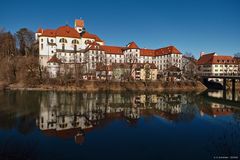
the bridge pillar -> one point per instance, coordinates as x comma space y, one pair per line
224, 88
233, 89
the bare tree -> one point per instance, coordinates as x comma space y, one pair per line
237, 55
131, 59
25, 41
7, 44
189, 54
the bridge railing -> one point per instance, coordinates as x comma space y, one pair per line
220, 74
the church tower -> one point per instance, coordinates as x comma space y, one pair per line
79, 25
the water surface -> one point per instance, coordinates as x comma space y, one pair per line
59, 125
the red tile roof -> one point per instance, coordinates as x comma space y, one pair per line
94, 46
132, 45
91, 36
147, 52
205, 59
49, 33
113, 50
167, 50
40, 30
212, 58
223, 60
143, 52
66, 31
54, 59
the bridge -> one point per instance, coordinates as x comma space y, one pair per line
232, 77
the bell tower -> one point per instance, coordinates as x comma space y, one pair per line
79, 25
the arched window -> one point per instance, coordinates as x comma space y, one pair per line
63, 40
75, 41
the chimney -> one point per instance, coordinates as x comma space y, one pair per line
201, 54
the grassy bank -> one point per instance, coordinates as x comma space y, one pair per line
94, 86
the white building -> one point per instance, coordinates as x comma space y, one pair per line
76, 45
216, 65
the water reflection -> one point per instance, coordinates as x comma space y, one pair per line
69, 115
41, 123
220, 94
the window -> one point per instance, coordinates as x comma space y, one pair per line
41, 46
51, 40
41, 39
63, 40
63, 47
75, 41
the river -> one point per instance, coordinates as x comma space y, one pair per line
63, 125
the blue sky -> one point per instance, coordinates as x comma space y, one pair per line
190, 25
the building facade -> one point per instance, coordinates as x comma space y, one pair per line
217, 65
77, 46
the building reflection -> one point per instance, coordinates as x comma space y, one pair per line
72, 115
220, 94
215, 109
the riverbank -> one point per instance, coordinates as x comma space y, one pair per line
95, 86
